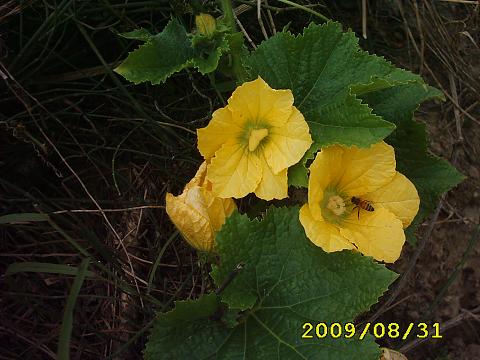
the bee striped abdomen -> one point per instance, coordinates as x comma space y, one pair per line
362, 204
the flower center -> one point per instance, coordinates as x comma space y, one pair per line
256, 136
336, 205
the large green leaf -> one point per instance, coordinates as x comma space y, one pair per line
285, 282
169, 52
321, 66
325, 69
161, 56
345, 121
431, 175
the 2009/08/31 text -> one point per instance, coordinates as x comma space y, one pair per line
378, 330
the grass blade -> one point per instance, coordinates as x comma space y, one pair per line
63, 352
39, 267
22, 218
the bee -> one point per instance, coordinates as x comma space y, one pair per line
361, 204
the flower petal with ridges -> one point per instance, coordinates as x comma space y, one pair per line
378, 234
322, 233
286, 144
272, 186
193, 224
398, 196
367, 169
234, 171
197, 213
223, 128
324, 172
255, 100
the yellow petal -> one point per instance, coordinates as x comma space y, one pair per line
324, 172
366, 170
218, 210
222, 128
257, 102
197, 213
286, 144
272, 186
199, 178
187, 211
234, 171
399, 196
321, 233
378, 234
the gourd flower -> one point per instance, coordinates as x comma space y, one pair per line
206, 24
252, 142
357, 200
197, 213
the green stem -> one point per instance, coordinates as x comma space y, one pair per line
228, 13
235, 46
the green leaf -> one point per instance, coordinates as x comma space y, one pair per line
138, 34
208, 50
285, 282
161, 56
347, 121
321, 67
276, 249
431, 175
326, 70
170, 51
298, 173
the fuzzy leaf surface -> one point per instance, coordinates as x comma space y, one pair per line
321, 66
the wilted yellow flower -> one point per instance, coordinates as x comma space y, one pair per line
357, 200
197, 213
205, 23
388, 354
253, 141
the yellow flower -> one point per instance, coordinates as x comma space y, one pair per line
357, 200
253, 141
197, 213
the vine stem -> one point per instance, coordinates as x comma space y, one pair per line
228, 13
235, 47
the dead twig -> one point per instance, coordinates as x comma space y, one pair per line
447, 325
259, 18
411, 265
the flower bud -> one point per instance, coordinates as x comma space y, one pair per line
198, 214
206, 24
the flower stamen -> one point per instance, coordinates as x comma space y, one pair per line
256, 136
336, 205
